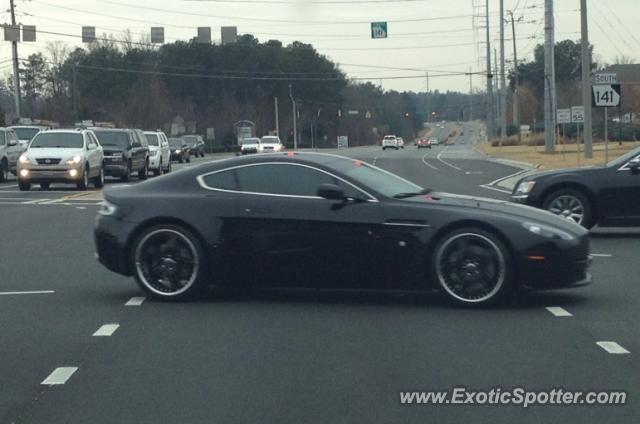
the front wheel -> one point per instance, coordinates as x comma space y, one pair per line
473, 267
570, 204
126, 174
143, 173
98, 182
4, 171
84, 182
168, 262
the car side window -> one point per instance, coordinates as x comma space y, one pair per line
3, 138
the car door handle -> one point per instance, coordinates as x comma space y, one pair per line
407, 223
257, 210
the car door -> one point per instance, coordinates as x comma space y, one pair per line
165, 153
95, 154
290, 237
628, 191
137, 152
14, 149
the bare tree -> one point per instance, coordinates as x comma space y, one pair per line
624, 60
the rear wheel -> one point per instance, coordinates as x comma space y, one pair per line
24, 185
126, 174
188, 159
168, 262
4, 170
473, 267
570, 204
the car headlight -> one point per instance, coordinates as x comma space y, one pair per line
23, 159
525, 187
178, 151
107, 209
74, 160
547, 231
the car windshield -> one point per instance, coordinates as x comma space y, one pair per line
152, 139
175, 143
117, 139
271, 140
26, 133
375, 178
621, 160
68, 140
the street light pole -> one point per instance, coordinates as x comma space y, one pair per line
295, 120
516, 100
16, 68
586, 81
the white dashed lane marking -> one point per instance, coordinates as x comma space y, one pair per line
13, 293
59, 376
106, 330
135, 301
558, 311
602, 255
613, 348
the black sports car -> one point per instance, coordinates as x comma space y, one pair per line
605, 195
325, 221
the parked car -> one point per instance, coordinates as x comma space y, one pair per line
62, 156
179, 150
390, 142
10, 151
605, 195
250, 145
315, 220
423, 143
26, 133
401, 142
196, 145
271, 143
126, 151
159, 152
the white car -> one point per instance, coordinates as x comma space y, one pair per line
250, 145
401, 142
159, 152
390, 142
271, 143
26, 133
10, 151
72, 156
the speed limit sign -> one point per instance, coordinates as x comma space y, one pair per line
577, 114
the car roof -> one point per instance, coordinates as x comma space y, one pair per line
67, 130
109, 129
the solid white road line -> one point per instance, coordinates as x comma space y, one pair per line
558, 311
602, 255
444, 161
9, 186
135, 301
31, 202
494, 182
612, 347
106, 330
27, 292
59, 376
488, 187
427, 163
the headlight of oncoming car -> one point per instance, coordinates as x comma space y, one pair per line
74, 160
525, 187
107, 209
546, 231
23, 159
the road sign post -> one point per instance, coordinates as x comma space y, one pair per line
577, 117
378, 30
606, 93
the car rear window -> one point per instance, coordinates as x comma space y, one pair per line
118, 139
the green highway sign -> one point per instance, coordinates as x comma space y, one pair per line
378, 30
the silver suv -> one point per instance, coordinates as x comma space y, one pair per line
10, 150
72, 156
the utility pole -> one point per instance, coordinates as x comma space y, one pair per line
295, 120
75, 95
516, 100
16, 68
490, 119
586, 80
497, 96
428, 112
503, 82
470, 95
549, 79
277, 120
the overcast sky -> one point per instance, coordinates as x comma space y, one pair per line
441, 36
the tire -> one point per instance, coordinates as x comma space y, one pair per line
181, 159
159, 171
83, 184
570, 204
143, 173
45, 186
384, 148
188, 159
170, 244
24, 186
473, 267
4, 171
126, 176
168, 168
98, 182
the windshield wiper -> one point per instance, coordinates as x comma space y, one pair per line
412, 194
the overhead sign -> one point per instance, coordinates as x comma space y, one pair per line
204, 35
11, 33
228, 34
88, 34
605, 95
343, 142
605, 78
378, 30
577, 114
157, 35
28, 33
564, 116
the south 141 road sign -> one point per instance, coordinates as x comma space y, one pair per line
605, 95
378, 30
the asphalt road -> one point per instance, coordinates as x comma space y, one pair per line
304, 357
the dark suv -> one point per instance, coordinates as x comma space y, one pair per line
125, 151
179, 150
196, 144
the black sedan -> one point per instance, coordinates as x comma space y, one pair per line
605, 195
180, 152
323, 221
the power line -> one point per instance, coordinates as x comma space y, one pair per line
612, 27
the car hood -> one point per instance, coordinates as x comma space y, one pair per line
564, 172
501, 207
53, 152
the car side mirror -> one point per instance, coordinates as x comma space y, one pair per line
634, 166
331, 192
13, 142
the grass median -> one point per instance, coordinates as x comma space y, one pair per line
565, 156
